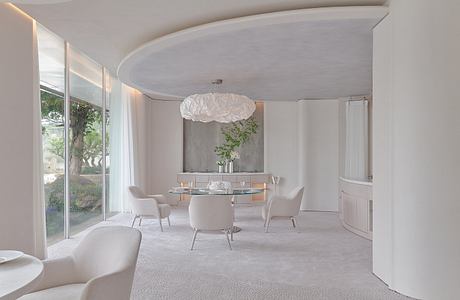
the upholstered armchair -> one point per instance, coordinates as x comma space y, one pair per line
148, 207
101, 267
211, 213
283, 207
161, 199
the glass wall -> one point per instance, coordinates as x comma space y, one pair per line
85, 142
87, 162
52, 67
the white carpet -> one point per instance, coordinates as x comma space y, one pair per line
317, 260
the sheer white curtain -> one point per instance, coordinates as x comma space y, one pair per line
38, 188
127, 144
356, 140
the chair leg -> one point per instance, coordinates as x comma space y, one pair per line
231, 234
195, 232
228, 239
294, 223
169, 222
268, 224
161, 225
134, 220
140, 220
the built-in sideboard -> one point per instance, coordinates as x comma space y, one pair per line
355, 206
256, 180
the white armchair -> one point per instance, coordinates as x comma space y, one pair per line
211, 213
101, 267
148, 207
161, 199
283, 207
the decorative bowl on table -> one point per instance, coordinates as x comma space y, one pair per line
222, 187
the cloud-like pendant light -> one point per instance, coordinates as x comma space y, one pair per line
219, 107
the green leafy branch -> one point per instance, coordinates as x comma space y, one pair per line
236, 135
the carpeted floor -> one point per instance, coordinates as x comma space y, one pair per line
317, 260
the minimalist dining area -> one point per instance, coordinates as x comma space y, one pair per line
218, 149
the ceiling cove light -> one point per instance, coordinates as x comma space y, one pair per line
219, 107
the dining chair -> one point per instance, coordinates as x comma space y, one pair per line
101, 267
211, 213
161, 199
283, 207
145, 207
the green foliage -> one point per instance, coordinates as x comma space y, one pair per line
85, 194
85, 202
52, 107
236, 135
56, 146
85, 127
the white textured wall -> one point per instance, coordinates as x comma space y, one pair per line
318, 130
16, 130
164, 144
423, 128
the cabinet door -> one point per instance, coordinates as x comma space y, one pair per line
202, 178
349, 209
362, 214
185, 178
230, 178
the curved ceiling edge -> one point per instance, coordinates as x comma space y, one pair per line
291, 16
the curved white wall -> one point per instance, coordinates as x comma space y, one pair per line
422, 196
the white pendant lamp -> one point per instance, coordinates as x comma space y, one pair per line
219, 107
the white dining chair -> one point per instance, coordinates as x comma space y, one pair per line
211, 213
283, 207
145, 207
101, 267
161, 199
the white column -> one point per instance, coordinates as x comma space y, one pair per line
21, 218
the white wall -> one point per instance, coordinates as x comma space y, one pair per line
16, 131
281, 147
301, 146
281, 142
382, 199
165, 140
319, 153
421, 202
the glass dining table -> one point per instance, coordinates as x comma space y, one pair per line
219, 192
233, 192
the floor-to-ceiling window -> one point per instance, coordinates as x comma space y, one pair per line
85, 142
52, 68
76, 152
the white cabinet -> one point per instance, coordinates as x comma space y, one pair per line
356, 207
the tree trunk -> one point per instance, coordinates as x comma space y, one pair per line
78, 123
76, 160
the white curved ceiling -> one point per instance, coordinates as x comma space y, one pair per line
311, 53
